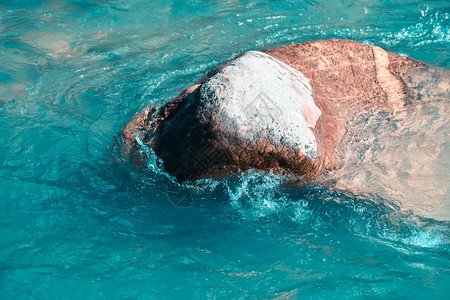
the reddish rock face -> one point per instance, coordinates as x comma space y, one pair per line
284, 110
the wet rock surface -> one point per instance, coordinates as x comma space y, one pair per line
284, 110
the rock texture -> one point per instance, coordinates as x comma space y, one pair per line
284, 110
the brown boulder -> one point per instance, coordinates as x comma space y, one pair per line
283, 110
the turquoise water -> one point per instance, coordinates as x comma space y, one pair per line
77, 221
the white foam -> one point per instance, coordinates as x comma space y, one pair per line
259, 96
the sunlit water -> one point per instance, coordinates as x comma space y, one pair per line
77, 221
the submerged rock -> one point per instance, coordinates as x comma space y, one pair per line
284, 110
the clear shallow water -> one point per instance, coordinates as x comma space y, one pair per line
76, 221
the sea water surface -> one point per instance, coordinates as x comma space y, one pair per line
77, 221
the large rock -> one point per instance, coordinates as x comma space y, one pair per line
283, 110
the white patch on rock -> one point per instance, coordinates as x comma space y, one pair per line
258, 96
